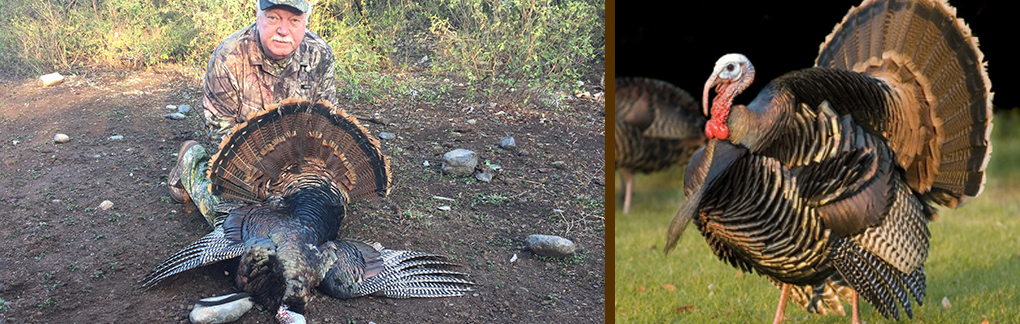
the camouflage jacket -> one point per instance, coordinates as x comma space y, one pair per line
240, 80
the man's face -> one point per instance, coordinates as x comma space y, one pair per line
281, 28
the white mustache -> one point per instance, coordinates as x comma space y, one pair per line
286, 39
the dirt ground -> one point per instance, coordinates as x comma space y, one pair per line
65, 260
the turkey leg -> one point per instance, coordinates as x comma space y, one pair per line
782, 304
855, 318
628, 189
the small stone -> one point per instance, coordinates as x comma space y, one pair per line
945, 303
471, 121
106, 205
183, 109
175, 116
15, 142
171, 107
513, 258
495, 167
484, 177
50, 79
61, 138
426, 163
444, 208
116, 137
387, 136
507, 143
459, 162
550, 246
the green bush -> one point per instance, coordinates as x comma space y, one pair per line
509, 42
494, 45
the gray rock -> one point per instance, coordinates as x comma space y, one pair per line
459, 162
388, 136
507, 143
176, 116
184, 109
61, 138
484, 176
171, 107
550, 246
116, 137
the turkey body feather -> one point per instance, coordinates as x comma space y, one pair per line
826, 181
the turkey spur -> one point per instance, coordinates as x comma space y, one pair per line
298, 166
825, 183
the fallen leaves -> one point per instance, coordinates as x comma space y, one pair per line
684, 309
669, 287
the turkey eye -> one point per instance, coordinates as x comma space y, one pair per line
730, 67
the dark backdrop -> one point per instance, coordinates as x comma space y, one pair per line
680, 41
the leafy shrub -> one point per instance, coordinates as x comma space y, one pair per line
493, 45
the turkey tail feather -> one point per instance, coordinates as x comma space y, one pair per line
941, 121
294, 143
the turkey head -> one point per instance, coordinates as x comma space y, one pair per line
732, 74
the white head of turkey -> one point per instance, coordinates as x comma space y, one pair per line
732, 74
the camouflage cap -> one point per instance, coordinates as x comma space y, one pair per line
302, 5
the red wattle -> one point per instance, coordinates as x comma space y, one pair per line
716, 129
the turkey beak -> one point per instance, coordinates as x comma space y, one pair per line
708, 86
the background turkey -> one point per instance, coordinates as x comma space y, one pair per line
299, 166
657, 126
826, 180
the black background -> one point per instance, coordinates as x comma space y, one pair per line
680, 41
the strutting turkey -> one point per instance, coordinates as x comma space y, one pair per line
298, 166
657, 126
826, 181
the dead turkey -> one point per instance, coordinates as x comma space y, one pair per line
657, 126
298, 166
826, 181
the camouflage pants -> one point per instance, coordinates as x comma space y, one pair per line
194, 164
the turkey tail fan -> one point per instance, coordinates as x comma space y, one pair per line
923, 51
295, 143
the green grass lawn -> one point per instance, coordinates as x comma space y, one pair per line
974, 260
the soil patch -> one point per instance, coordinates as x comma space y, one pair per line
65, 260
